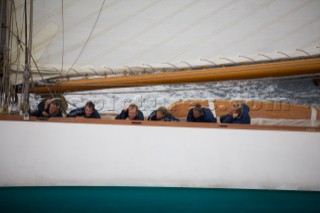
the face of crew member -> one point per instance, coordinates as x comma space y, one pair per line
234, 112
159, 115
53, 109
88, 111
132, 113
196, 114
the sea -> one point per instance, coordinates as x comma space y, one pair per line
299, 90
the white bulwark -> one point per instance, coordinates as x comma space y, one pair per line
75, 154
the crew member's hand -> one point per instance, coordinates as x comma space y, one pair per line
235, 115
46, 103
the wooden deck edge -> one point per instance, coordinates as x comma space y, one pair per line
80, 120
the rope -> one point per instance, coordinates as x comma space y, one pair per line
35, 63
80, 21
53, 12
85, 44
96, 35
62, 37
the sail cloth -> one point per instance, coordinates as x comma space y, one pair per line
100, 37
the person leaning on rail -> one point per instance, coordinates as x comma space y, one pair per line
239, 114
131, 112
200, 114
48, 108
161, 114
54, 108
88, 111
43, 108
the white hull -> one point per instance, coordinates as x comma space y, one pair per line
79, 154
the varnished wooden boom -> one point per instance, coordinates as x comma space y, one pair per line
254, 71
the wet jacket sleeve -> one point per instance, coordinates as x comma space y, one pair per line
152, 116
170, 117
190, 117
208, 116
226, 119
40, 109
246, 117
76, 112
123, 115
95, 114
139, 116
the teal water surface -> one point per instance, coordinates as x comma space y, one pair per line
154, 199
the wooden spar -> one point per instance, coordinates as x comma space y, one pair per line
241, 72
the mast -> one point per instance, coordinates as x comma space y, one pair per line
27, 73
5, 69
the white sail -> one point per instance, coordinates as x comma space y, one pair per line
107, 37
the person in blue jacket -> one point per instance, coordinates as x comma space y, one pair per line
88, 111
43, 108
239, 114
200, 114
161, 114
131, 113
48, 108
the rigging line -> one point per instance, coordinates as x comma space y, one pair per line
41, 75
62, 38
22, 25
113, 26
30, 34
85, 44
79, 21
26, 72
26, 32
222, 29
11, 31
11, 25
35, 63
16, 23
53, 12
17, 60
19, 41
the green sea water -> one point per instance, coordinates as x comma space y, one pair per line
154, 199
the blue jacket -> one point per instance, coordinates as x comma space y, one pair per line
38, 112
168, 117
59, 114
206, 117
124, 114
244, 118
80, 112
